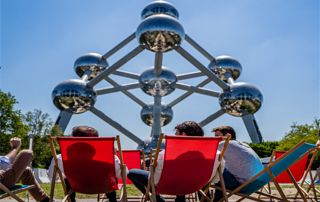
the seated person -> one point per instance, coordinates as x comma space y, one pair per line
140, 177
15, 167
241, 162
84, 131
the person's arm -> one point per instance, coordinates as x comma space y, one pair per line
15, 144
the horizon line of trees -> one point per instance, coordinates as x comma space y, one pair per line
38, 123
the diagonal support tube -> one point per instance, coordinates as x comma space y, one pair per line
197, 90
116, 125
187, 94
212, 117
115, 66
201, 67
189, 75
117, 88
119, 46
199, 48
126, 74
63, 119
127, 93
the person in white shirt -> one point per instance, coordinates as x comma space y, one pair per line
140, 177
241, 162
84, 131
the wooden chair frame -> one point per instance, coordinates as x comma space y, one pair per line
142, 165
13, 192
304, 194
267, 170
123, 195
150, 191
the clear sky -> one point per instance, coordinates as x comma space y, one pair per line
277, 43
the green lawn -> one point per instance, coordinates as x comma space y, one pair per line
58, 192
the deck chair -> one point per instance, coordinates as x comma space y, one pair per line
187, 166
132, 159
298, 172
89, 165
13, 191
270, 172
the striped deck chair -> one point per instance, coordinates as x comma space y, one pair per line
298, 172
270, 172
187, 167
89, 164
13, 191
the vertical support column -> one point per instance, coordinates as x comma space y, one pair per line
156, 127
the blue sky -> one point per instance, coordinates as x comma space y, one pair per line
277, 43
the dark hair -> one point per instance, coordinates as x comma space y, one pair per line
190, 128
84, 131
225, 130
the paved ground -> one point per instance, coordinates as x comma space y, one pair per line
288, 192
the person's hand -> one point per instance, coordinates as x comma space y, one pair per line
318, 143
15, 143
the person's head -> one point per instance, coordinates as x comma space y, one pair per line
84, 131
189, 128
225, 130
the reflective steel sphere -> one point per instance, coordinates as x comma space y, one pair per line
146, 115
160, 33
151, 83
73, 94
225, 65
159, 7
241, 99
93, 62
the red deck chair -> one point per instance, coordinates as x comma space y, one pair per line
88, 164
132, 159
187, 167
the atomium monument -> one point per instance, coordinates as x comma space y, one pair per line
159, 31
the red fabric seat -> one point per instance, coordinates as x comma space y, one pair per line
297, 169
188, 164
89, 163
132, 160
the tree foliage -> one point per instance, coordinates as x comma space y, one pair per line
11, 123
264, 149
297, 133
39, 122
40, 127
10, 119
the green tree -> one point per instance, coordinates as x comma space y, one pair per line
11, 123
297, 133
306, 132
264, 149
39, 122
40, 127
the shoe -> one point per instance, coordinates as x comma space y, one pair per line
317, 182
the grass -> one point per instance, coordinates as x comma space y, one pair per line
58, 191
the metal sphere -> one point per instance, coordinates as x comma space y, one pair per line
146, 115
162, 84
74, 95
241, 99
91, 64
225, 66
160, 33
159, 7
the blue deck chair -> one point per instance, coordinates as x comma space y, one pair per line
13, 191
270, 172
